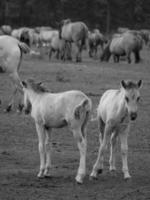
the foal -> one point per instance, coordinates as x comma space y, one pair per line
56, 110
114, 113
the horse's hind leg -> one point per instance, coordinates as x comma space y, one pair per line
112, 160
42, 151
48, 149
79, 50
137, 56
129, 58
82, 146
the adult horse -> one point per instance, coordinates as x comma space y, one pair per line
56, 110
95, 38
76, 32
11, 51
123, 45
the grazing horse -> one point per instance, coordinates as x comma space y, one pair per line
56, 110
95, 38
76, 32
123, 45
116, 110
11, 51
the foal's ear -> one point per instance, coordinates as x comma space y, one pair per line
24, 84
123, 84
139, 83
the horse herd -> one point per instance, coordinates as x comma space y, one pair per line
116, 109
60, 41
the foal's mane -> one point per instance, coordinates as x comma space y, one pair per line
37, 87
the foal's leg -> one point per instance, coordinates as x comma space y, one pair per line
98, 166
112, 160
48, 147
82, 145
124, 152
41, 137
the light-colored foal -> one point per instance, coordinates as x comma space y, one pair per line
117, 108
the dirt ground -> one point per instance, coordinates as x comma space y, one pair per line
19, 157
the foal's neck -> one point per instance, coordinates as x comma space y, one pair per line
33, 96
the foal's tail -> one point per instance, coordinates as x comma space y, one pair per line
24, 48
83, 109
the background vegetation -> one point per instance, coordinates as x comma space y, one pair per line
104, 14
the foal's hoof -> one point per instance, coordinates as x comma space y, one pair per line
40, 174
93, 178
8, 109
127, 178
20, 108
79, 178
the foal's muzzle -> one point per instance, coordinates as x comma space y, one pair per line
133, 116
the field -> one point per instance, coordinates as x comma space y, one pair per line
19, 157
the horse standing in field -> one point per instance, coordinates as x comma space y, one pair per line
60, 47
116, 110
95, 38
11, 51
56, 110
123, 45
76, 32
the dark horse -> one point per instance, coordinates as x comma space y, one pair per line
123, 45
76, 32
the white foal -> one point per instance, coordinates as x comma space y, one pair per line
56, 110
117, 108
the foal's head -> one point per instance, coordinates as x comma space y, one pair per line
28, 86
131, 96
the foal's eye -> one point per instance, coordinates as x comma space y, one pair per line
127, 99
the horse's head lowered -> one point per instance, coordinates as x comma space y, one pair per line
131, 96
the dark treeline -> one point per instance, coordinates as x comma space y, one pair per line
106, 15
